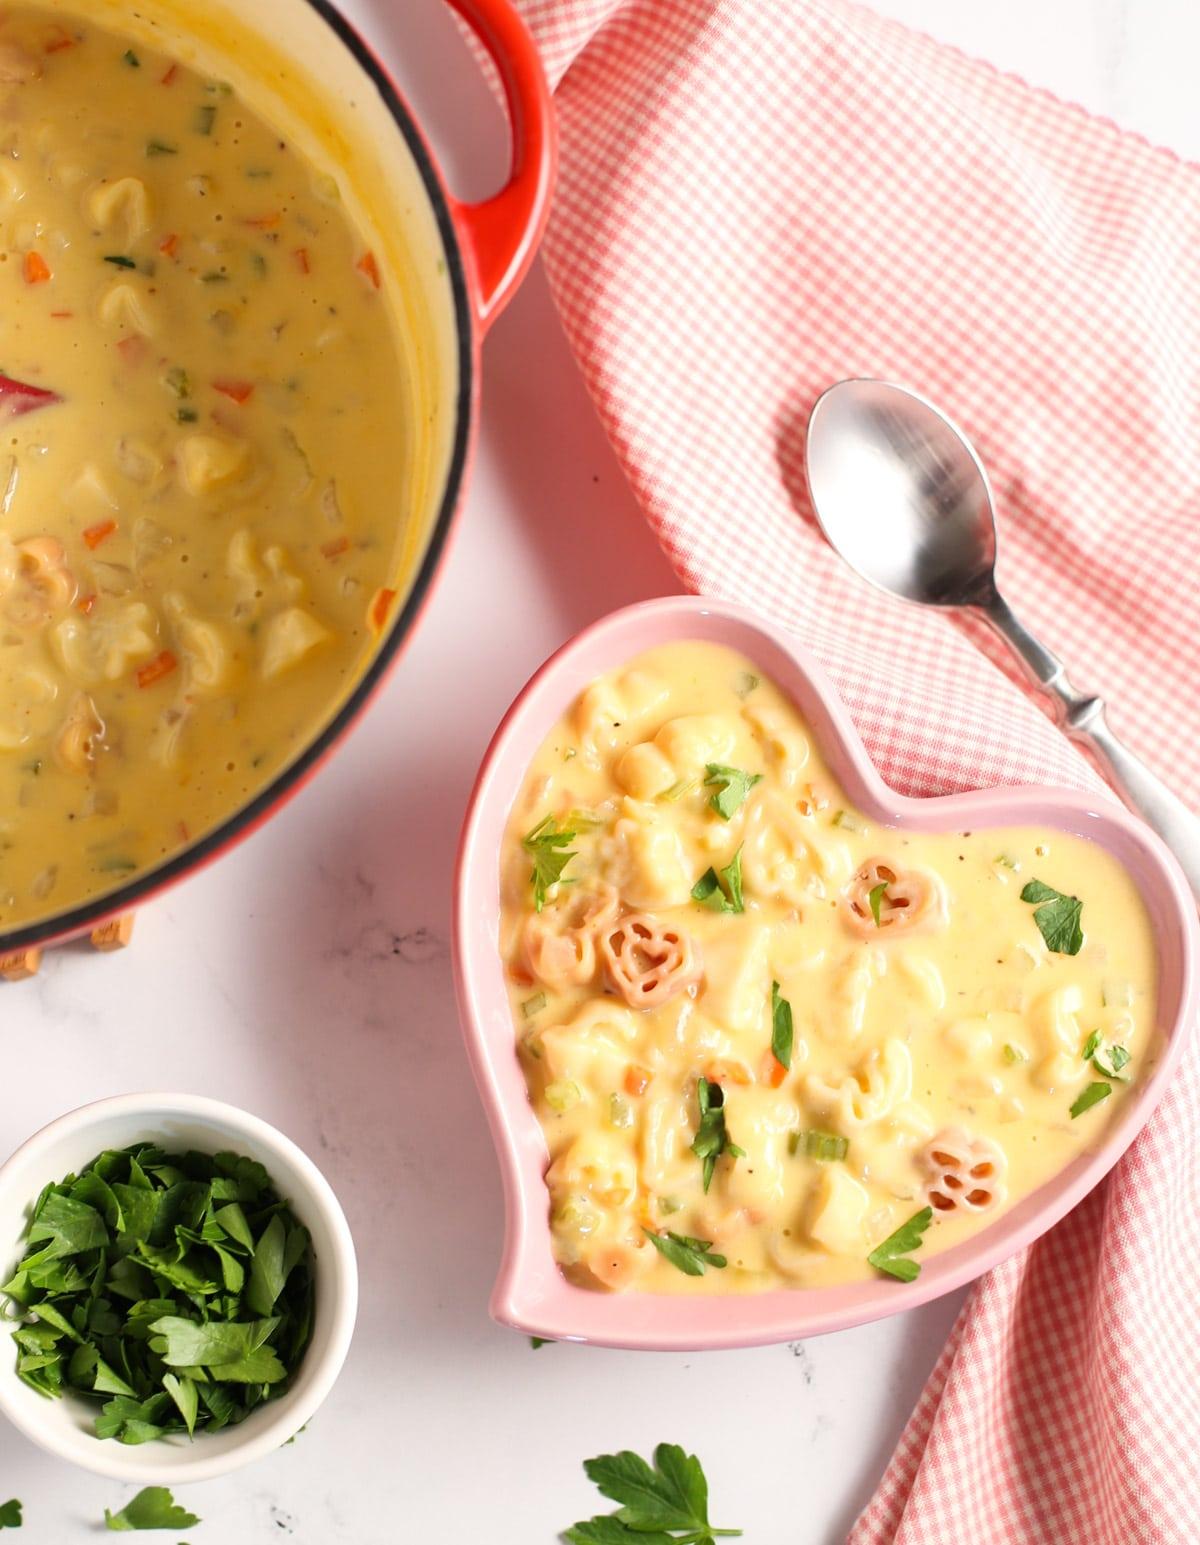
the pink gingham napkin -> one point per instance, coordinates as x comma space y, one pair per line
757, 198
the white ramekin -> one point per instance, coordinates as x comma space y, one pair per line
178, 1122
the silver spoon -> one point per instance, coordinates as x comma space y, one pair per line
901, 493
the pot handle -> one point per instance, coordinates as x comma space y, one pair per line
502, 233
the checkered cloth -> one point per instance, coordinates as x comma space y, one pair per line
757, 198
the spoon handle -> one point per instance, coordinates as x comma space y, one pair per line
1082, 718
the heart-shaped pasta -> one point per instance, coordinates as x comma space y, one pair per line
911, 899
647, 961
966, 1174
558, 945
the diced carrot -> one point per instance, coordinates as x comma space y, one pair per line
236, 391
302, 263
637, 1080
727, 1073
154, 670
169, 245
131, 349
36, 268
381, 605
772, 1071
264, 222
336, 548
367, 265
98, 533
85, 604
169, 76
58, 315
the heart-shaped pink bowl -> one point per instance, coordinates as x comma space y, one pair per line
531, 1294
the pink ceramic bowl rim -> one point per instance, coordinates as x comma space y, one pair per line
530, 1293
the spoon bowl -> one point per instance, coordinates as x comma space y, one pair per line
901, 494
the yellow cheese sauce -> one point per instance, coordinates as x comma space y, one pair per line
937, 1043
199, 537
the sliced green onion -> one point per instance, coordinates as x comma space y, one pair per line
745, 683
563, 1094
620, 1114
203, 119
828, 1147
159, 147
533, 1005
847, 821
679, 789
1117, 995
669, 1204
1008, 861
1014, 1054
582, 821
118, 260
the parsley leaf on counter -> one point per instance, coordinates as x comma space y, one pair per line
10, 1514
175, 1290
782, 1034
723, 893
663, 1504
712, 1140
546, 845
892, 1255
153, 1508
690, 1255
1092, 1095
732, 785
1057, 916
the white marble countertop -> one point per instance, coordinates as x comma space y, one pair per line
307, 977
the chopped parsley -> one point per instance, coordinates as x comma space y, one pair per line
1057, 916
782, 1034
119, 260
10, 1514
548, 845
892, 1255
690, 1256
1092, 1095
1106, 1059
131, 59
159, 147
878, 892
173, 1291
732, 786
721, 893
712, 1139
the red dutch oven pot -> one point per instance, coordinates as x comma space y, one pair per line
454, 265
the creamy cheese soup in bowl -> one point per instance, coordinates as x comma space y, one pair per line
238, 358
768, 1049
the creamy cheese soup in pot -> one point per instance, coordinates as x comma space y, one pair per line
204, 434
770, 1042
